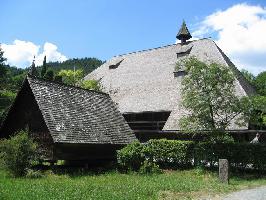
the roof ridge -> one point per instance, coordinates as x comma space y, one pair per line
248, 88
66, 85
160, 47
138, 51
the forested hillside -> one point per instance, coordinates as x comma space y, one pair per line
11, 78
86, 64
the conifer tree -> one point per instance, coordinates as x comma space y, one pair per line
44, 67
3, 70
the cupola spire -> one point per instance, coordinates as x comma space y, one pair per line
183, 33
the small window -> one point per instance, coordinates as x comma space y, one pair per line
114, 66
183, 52
180, 73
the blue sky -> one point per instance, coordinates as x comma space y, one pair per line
102, 28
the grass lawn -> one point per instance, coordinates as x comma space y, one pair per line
188, 184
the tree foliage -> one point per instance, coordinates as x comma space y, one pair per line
249, 76
208, 93
260, 83
255, 111
49, 75
44, 67
71, 77
91, 85
85, 64
3, 70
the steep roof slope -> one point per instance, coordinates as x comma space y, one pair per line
145, 81
75, 115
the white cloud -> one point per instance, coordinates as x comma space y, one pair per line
241, 31
51, 53
21, 53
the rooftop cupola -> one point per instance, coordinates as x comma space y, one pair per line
183, 34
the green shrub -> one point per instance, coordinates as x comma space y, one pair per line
148, 167
173, 154
164, 153
17, 153
240, 155
170, 153
131, 157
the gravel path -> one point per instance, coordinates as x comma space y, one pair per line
258, 193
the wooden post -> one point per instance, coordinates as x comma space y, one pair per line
224, 171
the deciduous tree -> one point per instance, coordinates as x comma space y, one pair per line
91, 85
71, 77
260, 83
208, 94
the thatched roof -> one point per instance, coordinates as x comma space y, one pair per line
145, 80
76, 115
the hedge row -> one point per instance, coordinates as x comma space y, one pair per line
240, 155
173, 154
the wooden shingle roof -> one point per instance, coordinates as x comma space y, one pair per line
76, 115
145, 80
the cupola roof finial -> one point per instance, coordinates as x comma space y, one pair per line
183, 33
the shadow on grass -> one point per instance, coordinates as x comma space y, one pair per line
98, 168
78, 169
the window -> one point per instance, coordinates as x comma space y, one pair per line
114, 66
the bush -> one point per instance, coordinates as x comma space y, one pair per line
240, 155
17, 153
173, 154
169, 153
131, 157
164, 153
148, 167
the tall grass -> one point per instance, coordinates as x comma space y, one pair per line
114, 185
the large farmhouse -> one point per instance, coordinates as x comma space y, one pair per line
146, 86
68, 123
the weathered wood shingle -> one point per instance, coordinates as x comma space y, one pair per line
145, 80
76, 115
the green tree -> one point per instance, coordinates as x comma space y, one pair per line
260, 83
44, 67
86, 64
3, 70
6, 99
2, 59
249, 76
71, 77
49, 75
91, 85
255, 111
58, 79
208, 94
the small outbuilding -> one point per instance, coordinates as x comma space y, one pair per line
67, 122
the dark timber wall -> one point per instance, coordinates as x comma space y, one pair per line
88, 152
25, 114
